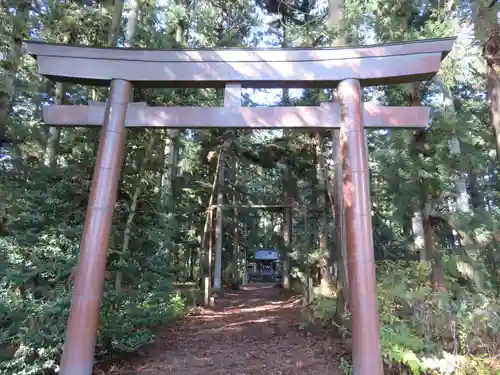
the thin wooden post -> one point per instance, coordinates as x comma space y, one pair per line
245, 264
366, 352
208, 277
81, 334
307, 274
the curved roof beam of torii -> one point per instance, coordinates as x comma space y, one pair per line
402, 62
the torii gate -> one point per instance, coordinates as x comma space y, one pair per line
344, 68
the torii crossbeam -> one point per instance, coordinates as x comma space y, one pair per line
327, 115
345, 68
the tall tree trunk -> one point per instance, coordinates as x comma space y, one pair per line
170, 152
418, 230
192, 262
11, 65
336, 20
54, 132
287, 198
208, 277
494, 100
476, 195
236, 224
180, 31
170, 156
487, 32
287, 242
206, 255
131, 215
308, 292
418, 218
432, 245
114, 30
132, 20
462, 196
423, 229
337, 200
287, 212
218, 227
324, 261
244, 255
130, 33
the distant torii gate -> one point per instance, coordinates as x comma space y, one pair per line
344, 68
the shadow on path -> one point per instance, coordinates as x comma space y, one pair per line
252, 331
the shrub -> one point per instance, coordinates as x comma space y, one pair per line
423, 332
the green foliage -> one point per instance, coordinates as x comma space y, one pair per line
322, 308
45, 223
345, 366
127, 328
32, 332
418, 323
424, 332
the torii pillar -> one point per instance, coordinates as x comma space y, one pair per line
360, 253
83, 322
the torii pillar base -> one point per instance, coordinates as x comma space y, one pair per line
81, 333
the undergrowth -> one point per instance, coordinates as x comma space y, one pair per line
424, 332
32, 331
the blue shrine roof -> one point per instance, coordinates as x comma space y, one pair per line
266, 254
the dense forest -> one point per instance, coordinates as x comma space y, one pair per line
434, 191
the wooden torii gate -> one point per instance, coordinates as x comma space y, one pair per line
347, 69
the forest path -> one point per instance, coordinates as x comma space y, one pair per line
249, 332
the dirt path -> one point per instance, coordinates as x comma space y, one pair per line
252, 331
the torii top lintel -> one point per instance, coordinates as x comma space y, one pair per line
402, 62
